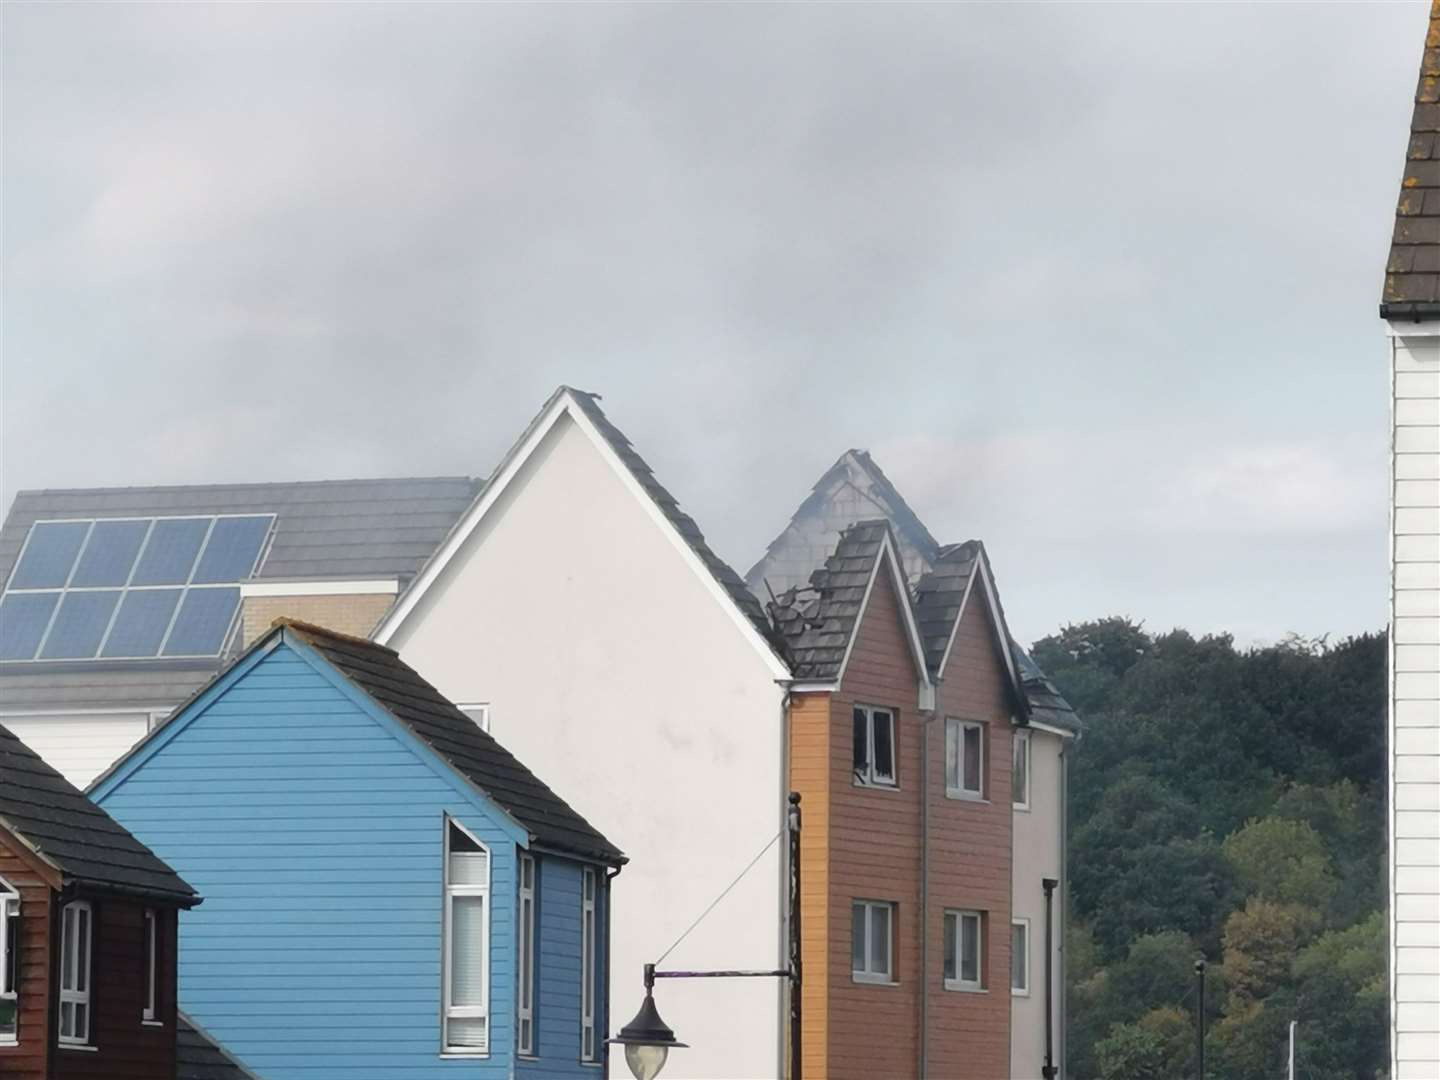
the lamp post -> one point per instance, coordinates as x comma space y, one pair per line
648, 1040
1200, 1026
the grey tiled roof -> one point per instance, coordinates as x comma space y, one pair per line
473, 753
1412, 273
199, 1057
683, 522
1047, 705
142, 684
85, 843
938, 596
817, 623
323, 528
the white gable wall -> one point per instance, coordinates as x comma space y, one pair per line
80, 745
1415, 702
612, 671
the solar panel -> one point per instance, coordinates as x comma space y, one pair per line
130, 588
23, 619
203, 623
110, 553
49, 554
80, 624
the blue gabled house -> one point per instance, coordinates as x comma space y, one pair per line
390, 894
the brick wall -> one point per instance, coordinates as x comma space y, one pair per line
348, 613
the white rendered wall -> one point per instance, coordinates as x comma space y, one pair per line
614, 674
80, 746
1039, 854
1415, 704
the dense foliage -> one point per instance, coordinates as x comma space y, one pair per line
1226, 804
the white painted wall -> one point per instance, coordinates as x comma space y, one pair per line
80, 746
611, 671
1415, 703
1039, 854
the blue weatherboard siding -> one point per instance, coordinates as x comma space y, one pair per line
313, 826
557, 965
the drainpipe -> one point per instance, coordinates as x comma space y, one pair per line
1049, 1071
926, 721
611, 874
1064, 1010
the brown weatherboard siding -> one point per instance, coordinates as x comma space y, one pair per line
810, 776
970, 860
26, 1061
875, 854
126, 1048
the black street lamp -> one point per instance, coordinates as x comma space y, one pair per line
648, 1040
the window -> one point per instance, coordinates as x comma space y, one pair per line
466, 955
874, 750
1020, 770
525, 1015
148, 1013
872, 939
9, 962
587, 968
480, 713
1020, 957
75, 973
964, 950
964, 759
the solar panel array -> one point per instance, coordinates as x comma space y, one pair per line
128, 588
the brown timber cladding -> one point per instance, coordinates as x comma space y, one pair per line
810, 776
971, 859
26, 1060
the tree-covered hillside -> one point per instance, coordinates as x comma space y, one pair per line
1226, 804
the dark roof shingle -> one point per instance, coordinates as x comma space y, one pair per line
818, 622
199, 1057
1412, 272
81, 840
472, 752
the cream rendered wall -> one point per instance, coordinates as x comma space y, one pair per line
1039, 854
80, 746
1415, 702
616, 676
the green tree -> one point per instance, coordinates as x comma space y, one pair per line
1261, 942
1131, 1052
1281, 860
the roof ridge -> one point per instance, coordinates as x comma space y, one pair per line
251, 484
309, 629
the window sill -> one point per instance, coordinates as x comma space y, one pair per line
83, 1047
872, 980
960, 795
874, 786
8, 1042
964, 988
1022, 807
152, 1023
1019, 993
463, 1055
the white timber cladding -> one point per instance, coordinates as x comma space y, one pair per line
1415, 702
1038, 854
615, 673
80, 745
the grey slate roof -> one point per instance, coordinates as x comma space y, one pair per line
398, 689
938, 596
199, 1057
1412, 273
142, 684
323, 528
728, 579
1047, 705
853, 489
817, 623
81, 840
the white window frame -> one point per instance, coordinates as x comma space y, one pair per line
870, 973
1023, 925
870, 778
976, 985
478, 711
1020, 754
465, 1012
8, 895
70, 970
525, 976
151, 922
955, 736
589, 895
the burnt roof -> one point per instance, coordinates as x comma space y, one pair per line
82, 841
472, 752
818, 622
684, 524
1412, 273
938, 598
200, 1057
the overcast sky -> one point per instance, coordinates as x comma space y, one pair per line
1094, 283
